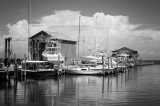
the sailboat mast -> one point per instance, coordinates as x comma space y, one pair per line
83, 45
96, 35
29, 8
79, 36
107, 40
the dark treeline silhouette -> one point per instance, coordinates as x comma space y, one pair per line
156, 61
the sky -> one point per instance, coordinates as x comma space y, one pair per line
112, 24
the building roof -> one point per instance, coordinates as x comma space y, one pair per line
124, 48
44, 34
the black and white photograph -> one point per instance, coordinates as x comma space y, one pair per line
80, 53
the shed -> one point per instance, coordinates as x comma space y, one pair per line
38, 41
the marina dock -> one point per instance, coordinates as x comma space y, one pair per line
50, 56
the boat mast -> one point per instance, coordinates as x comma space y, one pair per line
96, 36
83, 45
107, 40
29, 8
79, 36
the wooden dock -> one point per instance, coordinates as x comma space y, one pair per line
13, 71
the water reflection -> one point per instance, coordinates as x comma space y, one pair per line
130, 88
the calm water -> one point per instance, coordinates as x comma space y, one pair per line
138, 87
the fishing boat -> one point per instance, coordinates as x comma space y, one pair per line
51, 63
39, 68
52, 51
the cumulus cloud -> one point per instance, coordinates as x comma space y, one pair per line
117, 30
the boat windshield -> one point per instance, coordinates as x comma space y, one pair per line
52, 51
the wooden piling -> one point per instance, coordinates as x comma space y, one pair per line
5, 51
7, 76
103, 65
24, 64
7, 48
58, 73
108, 64
111, 62
9, 51
15, 67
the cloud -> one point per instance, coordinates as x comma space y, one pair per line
19, 29
117, 30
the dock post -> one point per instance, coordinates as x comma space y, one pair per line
125, 64
5, 51
7, 41
25, 65
114, 71
103, 64
108, 64
15, 67
7, 76
111, 62
117, 64
59, 66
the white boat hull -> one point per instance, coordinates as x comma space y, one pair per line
54, 57
82, 72
88, 70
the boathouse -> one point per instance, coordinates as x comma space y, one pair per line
124, 51
126, 55
38, 41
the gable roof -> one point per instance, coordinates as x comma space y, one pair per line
124, 48
45, 34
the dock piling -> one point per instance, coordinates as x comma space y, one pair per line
15, 67
25, 65
103, 65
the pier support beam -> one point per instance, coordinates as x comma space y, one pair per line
5, 51
7, 55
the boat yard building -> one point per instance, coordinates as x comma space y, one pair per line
125, 52
37, 44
